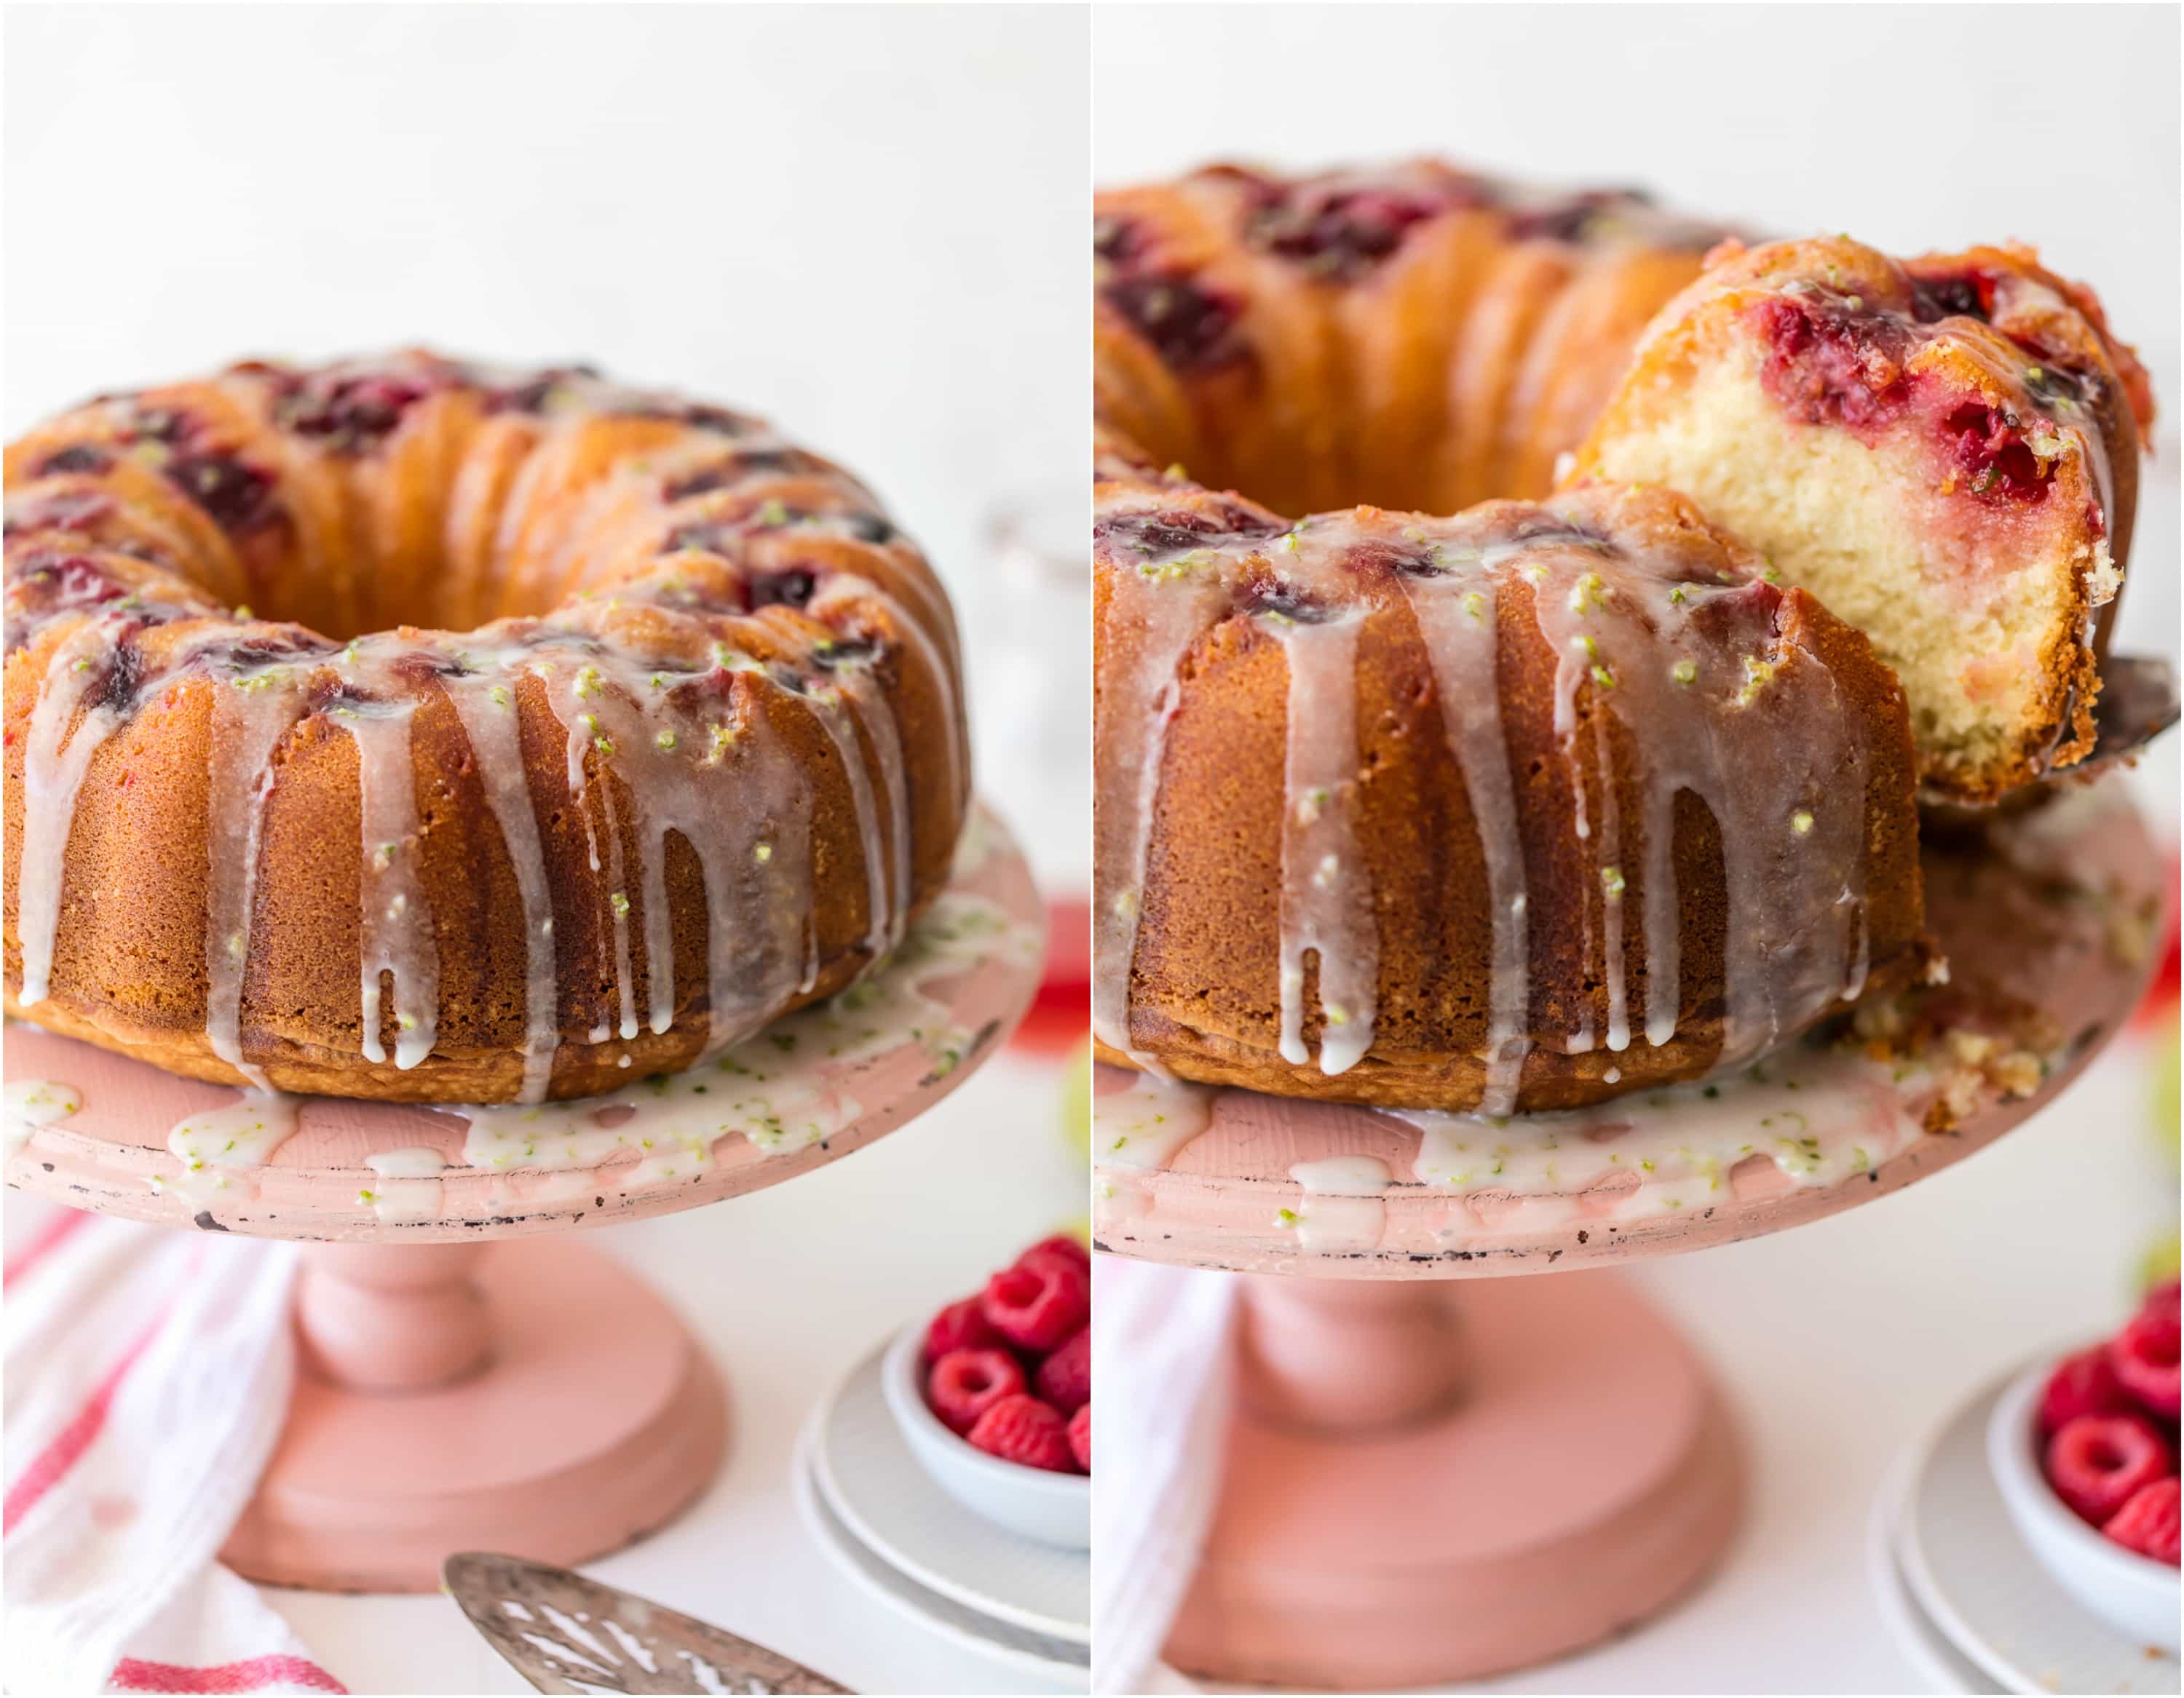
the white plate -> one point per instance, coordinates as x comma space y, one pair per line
1943, 1666
864, 1468
1977, 1581
1065, 1664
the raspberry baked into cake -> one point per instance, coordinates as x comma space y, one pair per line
1583, 789
408, 729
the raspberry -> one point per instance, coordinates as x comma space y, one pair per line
2097, 1461
1060, 1245
2163, 1297
959, 1327
1080, 1446
2144, 1357
2147, 1523
964, 1385
1065, 1378
2083, 1384
1022, 1429
1036, 1306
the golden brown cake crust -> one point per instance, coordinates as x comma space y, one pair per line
1414, 336
718, 682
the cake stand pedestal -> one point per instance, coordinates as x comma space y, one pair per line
1434, 1476
467, 1376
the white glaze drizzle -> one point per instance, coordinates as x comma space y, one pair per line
398, 940
252, 711
1146, 1124
1150, 629
31, 1104
1342, 1209
52, 773
1819, 1116
241, 1134
1326, 901
490, 723
1457, 619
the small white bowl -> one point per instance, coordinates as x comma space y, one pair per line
1053, 1508
2135, 1594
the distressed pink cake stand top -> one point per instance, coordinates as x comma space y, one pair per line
1435, 1477
459, 1391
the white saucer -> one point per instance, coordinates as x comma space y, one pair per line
1943, 1666
879, 1516
869, 1477
1971, 1580
1066, 1665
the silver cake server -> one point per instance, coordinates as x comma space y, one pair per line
565, 1633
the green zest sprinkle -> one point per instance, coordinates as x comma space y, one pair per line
1475, 604
499, 694
1611, 881
1684, 671
621, 904
1800, 822
664, 740
1592, 591
1167, 571
1603, 677
762, 853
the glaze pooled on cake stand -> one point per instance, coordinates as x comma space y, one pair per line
526, 1396
1431, 1482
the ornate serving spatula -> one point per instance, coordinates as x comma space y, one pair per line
565, 1633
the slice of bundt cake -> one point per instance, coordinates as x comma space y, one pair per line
1944, 451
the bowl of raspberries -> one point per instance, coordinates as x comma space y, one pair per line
2084, 1452
994, 1395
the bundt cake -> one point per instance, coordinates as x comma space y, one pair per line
404, 728
1944, 451
1512, 810
1540, 803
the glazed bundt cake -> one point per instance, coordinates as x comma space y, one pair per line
1512, 809
1944, 451
1540, 803
404, 728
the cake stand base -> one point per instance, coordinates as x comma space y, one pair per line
529, 1396
1560, 1468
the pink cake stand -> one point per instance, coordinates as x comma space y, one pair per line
1428, 1481
470, 1379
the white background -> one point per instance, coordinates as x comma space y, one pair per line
1912, 128
869, 224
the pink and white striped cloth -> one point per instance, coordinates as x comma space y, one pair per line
148, 1374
